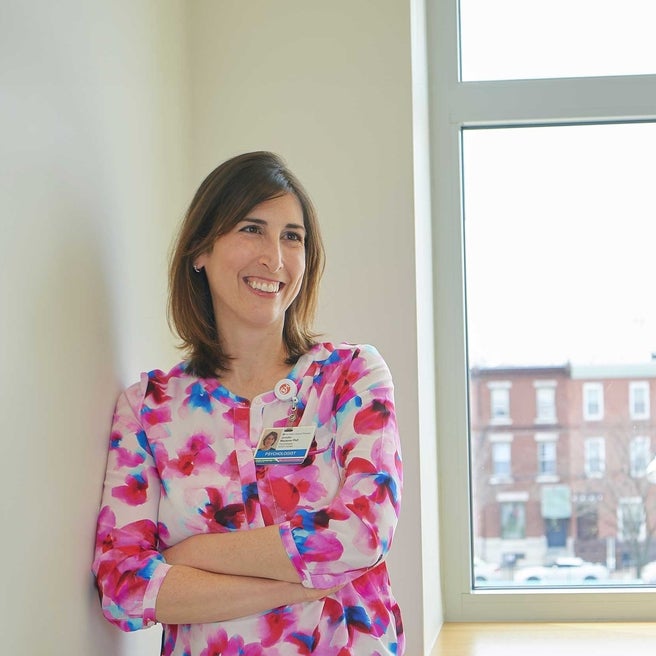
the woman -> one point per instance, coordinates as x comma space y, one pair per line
269, 440
230, 554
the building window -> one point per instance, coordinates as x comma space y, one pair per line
639, 400
501, 462
593, 401
546, 458
513, 520
587, 522
640, 455
631, 524
545, 402
595, 457
499, 402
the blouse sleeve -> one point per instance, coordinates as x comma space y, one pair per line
128, 567
354, 532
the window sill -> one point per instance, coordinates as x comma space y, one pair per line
545, 638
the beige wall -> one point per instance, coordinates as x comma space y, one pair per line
112, 112
93, 173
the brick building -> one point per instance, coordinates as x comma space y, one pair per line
558, 463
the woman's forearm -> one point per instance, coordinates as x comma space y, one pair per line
190, 596
258, 553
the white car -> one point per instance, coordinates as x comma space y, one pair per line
484, 571
563, 570
648, 573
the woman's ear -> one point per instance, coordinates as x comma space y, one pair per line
199, 262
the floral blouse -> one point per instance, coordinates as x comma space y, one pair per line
181, 463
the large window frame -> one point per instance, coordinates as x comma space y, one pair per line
455, 106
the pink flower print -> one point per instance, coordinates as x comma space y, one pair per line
219, 645
386, 486
216, 644
220, 517
373, 417
125, 457
135, 490
196, 453
305, 643
344, 390
272, 625
152, 417
156, 389
307, 482
285, 494
229, 467
361, 507
131, 539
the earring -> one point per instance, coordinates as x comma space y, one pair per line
196, 269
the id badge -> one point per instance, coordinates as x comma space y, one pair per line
288, 445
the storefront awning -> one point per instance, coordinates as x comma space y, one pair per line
556, 502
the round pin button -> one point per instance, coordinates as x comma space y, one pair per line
285, 389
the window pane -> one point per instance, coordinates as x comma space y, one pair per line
515, 39
559, 230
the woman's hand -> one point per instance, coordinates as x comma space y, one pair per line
313, 594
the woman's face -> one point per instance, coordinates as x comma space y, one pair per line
269, 440
255, 271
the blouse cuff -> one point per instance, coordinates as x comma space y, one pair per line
152, 589
289, 544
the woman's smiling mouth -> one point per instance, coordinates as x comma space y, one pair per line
268, 286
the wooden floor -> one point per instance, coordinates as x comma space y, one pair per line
547, 639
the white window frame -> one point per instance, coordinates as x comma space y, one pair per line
453, 106
588, 390
500, 389
588, 444
639, 445
542, 386
634, 387
541, 440
497, 439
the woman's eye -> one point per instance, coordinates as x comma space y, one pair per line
252, 228
294, 236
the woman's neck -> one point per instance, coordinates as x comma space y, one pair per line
257, 362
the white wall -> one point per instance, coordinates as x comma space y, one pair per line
110, 115
93, 174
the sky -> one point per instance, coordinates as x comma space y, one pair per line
514, 39
560, 222
560, 234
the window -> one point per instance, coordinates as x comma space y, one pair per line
593, 401
587, 522
513, 520
541, 187
545, 402
546, 460
639, 400
595, 457
640, 455
501, 462
494, 33
499, 402
631, 520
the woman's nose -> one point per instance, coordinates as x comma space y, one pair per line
271, 256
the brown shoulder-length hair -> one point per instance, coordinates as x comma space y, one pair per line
225, 198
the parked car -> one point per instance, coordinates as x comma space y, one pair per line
484, 571
648, 573
563, 570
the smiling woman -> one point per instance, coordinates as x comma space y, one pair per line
232, 552
255, 270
